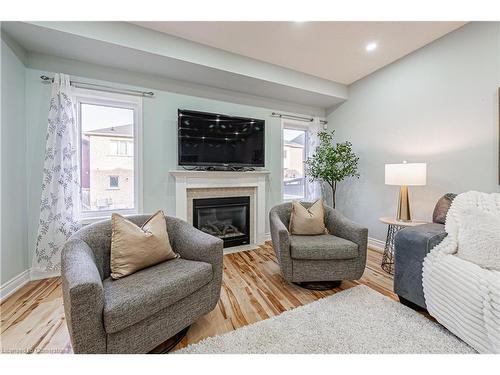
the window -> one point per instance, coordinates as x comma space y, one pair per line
114, 182
109, 128
294, 154
121, 148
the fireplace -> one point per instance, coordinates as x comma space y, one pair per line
227, 218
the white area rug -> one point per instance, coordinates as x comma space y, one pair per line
358, 320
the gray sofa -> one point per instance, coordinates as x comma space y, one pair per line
138, 312
411, 247
339, 255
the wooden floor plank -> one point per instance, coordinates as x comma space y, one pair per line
32, 319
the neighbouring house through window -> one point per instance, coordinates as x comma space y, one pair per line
109, 129
294, 153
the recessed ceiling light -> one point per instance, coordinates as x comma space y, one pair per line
371, 46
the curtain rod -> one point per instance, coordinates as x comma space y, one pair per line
294, 117
94, 86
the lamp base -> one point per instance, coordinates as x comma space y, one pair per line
403, 213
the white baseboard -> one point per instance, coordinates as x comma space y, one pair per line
376, 245
38, 275
20, 280
14, 284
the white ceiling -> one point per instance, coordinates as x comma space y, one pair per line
330, 50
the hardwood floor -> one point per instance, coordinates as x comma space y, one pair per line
32, 319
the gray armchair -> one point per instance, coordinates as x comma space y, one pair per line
138, 312
412, 244
338, 255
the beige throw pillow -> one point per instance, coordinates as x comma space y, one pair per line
134, 248
307, 221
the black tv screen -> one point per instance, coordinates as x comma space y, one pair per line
209, 139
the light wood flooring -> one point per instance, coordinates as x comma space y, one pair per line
32, 319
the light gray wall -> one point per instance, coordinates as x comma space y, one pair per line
438, 105
14, 257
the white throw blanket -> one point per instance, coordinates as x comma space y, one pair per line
461, 295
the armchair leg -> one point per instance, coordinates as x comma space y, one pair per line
319, 285
171, 343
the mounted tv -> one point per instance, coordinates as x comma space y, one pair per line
210, 139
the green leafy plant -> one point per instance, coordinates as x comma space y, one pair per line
332, 162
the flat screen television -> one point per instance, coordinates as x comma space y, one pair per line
210, 139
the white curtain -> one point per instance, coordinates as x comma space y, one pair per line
60, 185
313, 188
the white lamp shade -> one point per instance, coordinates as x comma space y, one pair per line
409, 174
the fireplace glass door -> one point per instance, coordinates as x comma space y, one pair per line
226, 218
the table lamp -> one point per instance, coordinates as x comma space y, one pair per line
404, 175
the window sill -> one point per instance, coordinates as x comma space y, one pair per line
300, 199
93, 219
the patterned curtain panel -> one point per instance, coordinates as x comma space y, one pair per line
60, 184
313, 188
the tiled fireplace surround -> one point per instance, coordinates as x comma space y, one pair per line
191, 185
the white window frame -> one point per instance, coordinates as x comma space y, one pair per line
293, 125
86, 96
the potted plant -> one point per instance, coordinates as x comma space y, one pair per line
332, 162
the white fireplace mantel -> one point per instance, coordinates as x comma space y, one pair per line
185, 179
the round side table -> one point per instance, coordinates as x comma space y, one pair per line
394, 226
